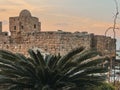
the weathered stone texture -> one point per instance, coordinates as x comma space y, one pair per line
0, 27
26, 33
24, 23
4, 38
106, 45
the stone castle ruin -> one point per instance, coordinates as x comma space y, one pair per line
25, 33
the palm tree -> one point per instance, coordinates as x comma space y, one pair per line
78, 69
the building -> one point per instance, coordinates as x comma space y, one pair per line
23, 24
26, 34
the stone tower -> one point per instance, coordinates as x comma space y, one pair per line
0, 27
24, 23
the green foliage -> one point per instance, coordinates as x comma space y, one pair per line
107, 86
104, 86
77, 69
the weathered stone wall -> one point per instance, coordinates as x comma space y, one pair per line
24, 23
0, 27
60, 42
4, 39
106, 45
51, 42
26, 34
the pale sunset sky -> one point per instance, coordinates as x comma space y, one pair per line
93, 16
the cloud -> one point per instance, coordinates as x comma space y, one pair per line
62, 24
73, 23
3, 10
17, 2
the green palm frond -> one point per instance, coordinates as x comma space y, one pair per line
65, 58
87, 54
76, 69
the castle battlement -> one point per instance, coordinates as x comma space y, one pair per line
26, 34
